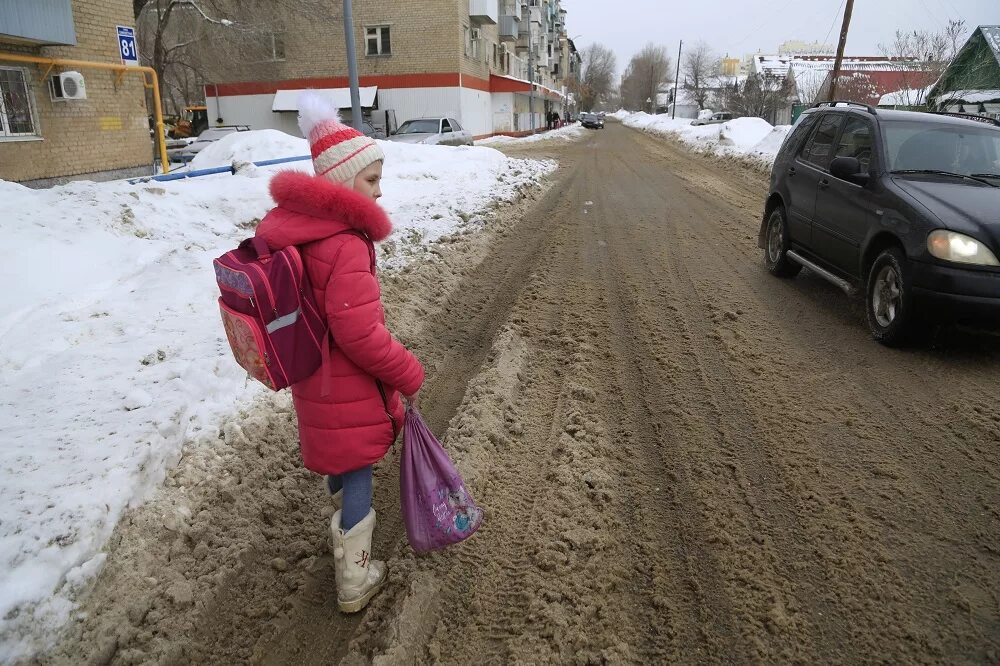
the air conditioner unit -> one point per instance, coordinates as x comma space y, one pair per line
67, 85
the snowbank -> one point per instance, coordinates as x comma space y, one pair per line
253, 146
752, 138
567, 133
113, 356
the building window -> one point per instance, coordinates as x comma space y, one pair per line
377, 41
278, 46
265, 47
495, 59
472, 39
16, 118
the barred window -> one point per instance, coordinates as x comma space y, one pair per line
16, 117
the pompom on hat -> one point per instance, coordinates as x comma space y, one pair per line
339, 152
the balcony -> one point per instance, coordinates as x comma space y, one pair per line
509, 28
483, 12
38, 21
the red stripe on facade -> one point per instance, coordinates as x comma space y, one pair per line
385, 81
503, 84
476, 83
435, 80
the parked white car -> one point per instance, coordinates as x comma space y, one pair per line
434, 131
185, 152
714, 119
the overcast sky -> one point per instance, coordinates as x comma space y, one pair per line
739, 27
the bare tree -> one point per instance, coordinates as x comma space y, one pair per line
597, 75
646, 73
186, 40
758, 96
929, 53
700, 69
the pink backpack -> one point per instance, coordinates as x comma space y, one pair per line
274, 327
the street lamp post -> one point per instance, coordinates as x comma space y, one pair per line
531, 78
352, 65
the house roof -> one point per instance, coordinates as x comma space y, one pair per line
871, 85
992, 35
905, 97
812, 76
946, 85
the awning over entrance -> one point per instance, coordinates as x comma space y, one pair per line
287, 100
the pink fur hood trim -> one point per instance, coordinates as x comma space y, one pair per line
329, 208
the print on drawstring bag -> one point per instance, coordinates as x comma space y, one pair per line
437, 508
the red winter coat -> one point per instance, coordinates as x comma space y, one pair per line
356, 422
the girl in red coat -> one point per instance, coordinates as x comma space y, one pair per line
349, 412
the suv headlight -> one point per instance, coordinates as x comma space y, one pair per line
960, 249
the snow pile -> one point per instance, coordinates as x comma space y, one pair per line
253, 146
905, 97
620, 114
567, 133
113, 355
752, 138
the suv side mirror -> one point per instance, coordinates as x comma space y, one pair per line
849, 169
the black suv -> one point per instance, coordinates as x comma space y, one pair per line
904, 205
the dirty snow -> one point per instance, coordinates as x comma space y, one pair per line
567, 133
752, 138
112, 353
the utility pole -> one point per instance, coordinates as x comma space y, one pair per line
840, 49
677, 81
352, 65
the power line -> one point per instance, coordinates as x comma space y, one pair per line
767, 20
834, 24
932, 15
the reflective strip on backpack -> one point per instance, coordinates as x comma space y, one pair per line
283, 321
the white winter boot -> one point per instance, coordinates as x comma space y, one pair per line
359, 578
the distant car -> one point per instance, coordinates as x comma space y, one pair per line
592, 120
432, 131
715, 119
187, 152
372, 131
899, 206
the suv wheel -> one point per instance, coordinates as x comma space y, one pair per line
776, 245
889, 301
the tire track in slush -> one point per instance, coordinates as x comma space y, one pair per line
456, 344
899, 487
889, 583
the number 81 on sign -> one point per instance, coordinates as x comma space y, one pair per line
126, 44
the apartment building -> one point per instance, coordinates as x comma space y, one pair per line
467, 59
55, 125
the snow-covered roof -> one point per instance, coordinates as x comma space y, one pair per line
971, 96
907, 97
288, 100
992, 35
801, 66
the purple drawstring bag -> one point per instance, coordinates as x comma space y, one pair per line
437, 508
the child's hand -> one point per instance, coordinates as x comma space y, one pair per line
413, 400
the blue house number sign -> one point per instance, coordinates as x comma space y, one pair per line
126, 44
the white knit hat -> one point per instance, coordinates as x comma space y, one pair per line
339, 152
